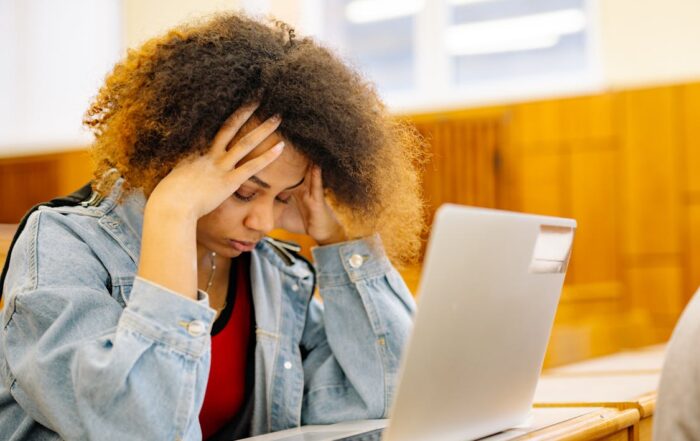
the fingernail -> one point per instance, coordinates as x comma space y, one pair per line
278, 147
276, 118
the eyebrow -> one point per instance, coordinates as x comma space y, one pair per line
265, 185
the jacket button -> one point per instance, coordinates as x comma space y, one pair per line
196, 328
287, 364
356, 261
295, 287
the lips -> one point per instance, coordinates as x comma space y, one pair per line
242, 246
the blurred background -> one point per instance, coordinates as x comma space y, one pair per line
580, 108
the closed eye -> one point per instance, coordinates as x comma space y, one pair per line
249, 197
244, 198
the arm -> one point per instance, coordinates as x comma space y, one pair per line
353, 343
83, 367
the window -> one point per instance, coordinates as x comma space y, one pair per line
55, 56
378, 37
430, 53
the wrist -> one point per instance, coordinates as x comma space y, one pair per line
171, 211
337, 236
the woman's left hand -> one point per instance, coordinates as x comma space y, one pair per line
309, 213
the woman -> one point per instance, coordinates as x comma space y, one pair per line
159, 309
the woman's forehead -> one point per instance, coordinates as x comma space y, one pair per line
285, 171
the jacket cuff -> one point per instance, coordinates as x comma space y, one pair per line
169, 318
350, 262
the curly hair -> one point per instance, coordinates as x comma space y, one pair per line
168, 98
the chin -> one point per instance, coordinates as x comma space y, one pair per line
229, 252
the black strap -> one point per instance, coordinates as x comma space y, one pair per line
73, 199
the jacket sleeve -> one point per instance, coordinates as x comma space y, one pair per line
353, 341
84, 366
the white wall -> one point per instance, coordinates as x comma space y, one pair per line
647, 42
144, 19
54, 59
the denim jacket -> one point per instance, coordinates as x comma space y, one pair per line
89, 351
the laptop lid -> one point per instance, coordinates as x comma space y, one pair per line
488, 294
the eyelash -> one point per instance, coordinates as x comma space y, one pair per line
250, 198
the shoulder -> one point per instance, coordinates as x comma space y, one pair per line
677, 403
58, 246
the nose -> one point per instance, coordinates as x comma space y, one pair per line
260, 217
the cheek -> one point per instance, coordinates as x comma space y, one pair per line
226, 216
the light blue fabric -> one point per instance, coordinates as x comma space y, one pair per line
88, 351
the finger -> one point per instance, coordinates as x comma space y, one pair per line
232, 125
241, 174
292, 218
302, 209
251, 140
316, 187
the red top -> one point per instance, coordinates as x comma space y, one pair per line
225, 393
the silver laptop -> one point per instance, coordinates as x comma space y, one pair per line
487, 298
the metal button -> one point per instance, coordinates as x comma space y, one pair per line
287, 364
196, 328
356, 260
295, 287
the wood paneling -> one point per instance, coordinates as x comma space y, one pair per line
691, 137
593, 201
542, 183
464, 160
537, 126
656, 289
693, 244
588, 118
7, 232
691, 186
650, 167
30, 180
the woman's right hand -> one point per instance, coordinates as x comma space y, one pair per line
200, 183
195, 187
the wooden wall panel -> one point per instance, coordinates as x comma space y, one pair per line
691, 185
537, 125
23, 185
656, 289
652, 213
693, 244
650, 167
30, 180
74, 171
593, 200
542, 185
7, 232
691, 137
463, 163
589, 118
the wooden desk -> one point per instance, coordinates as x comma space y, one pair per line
569, 424
584, 423
622, 391
648, 360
